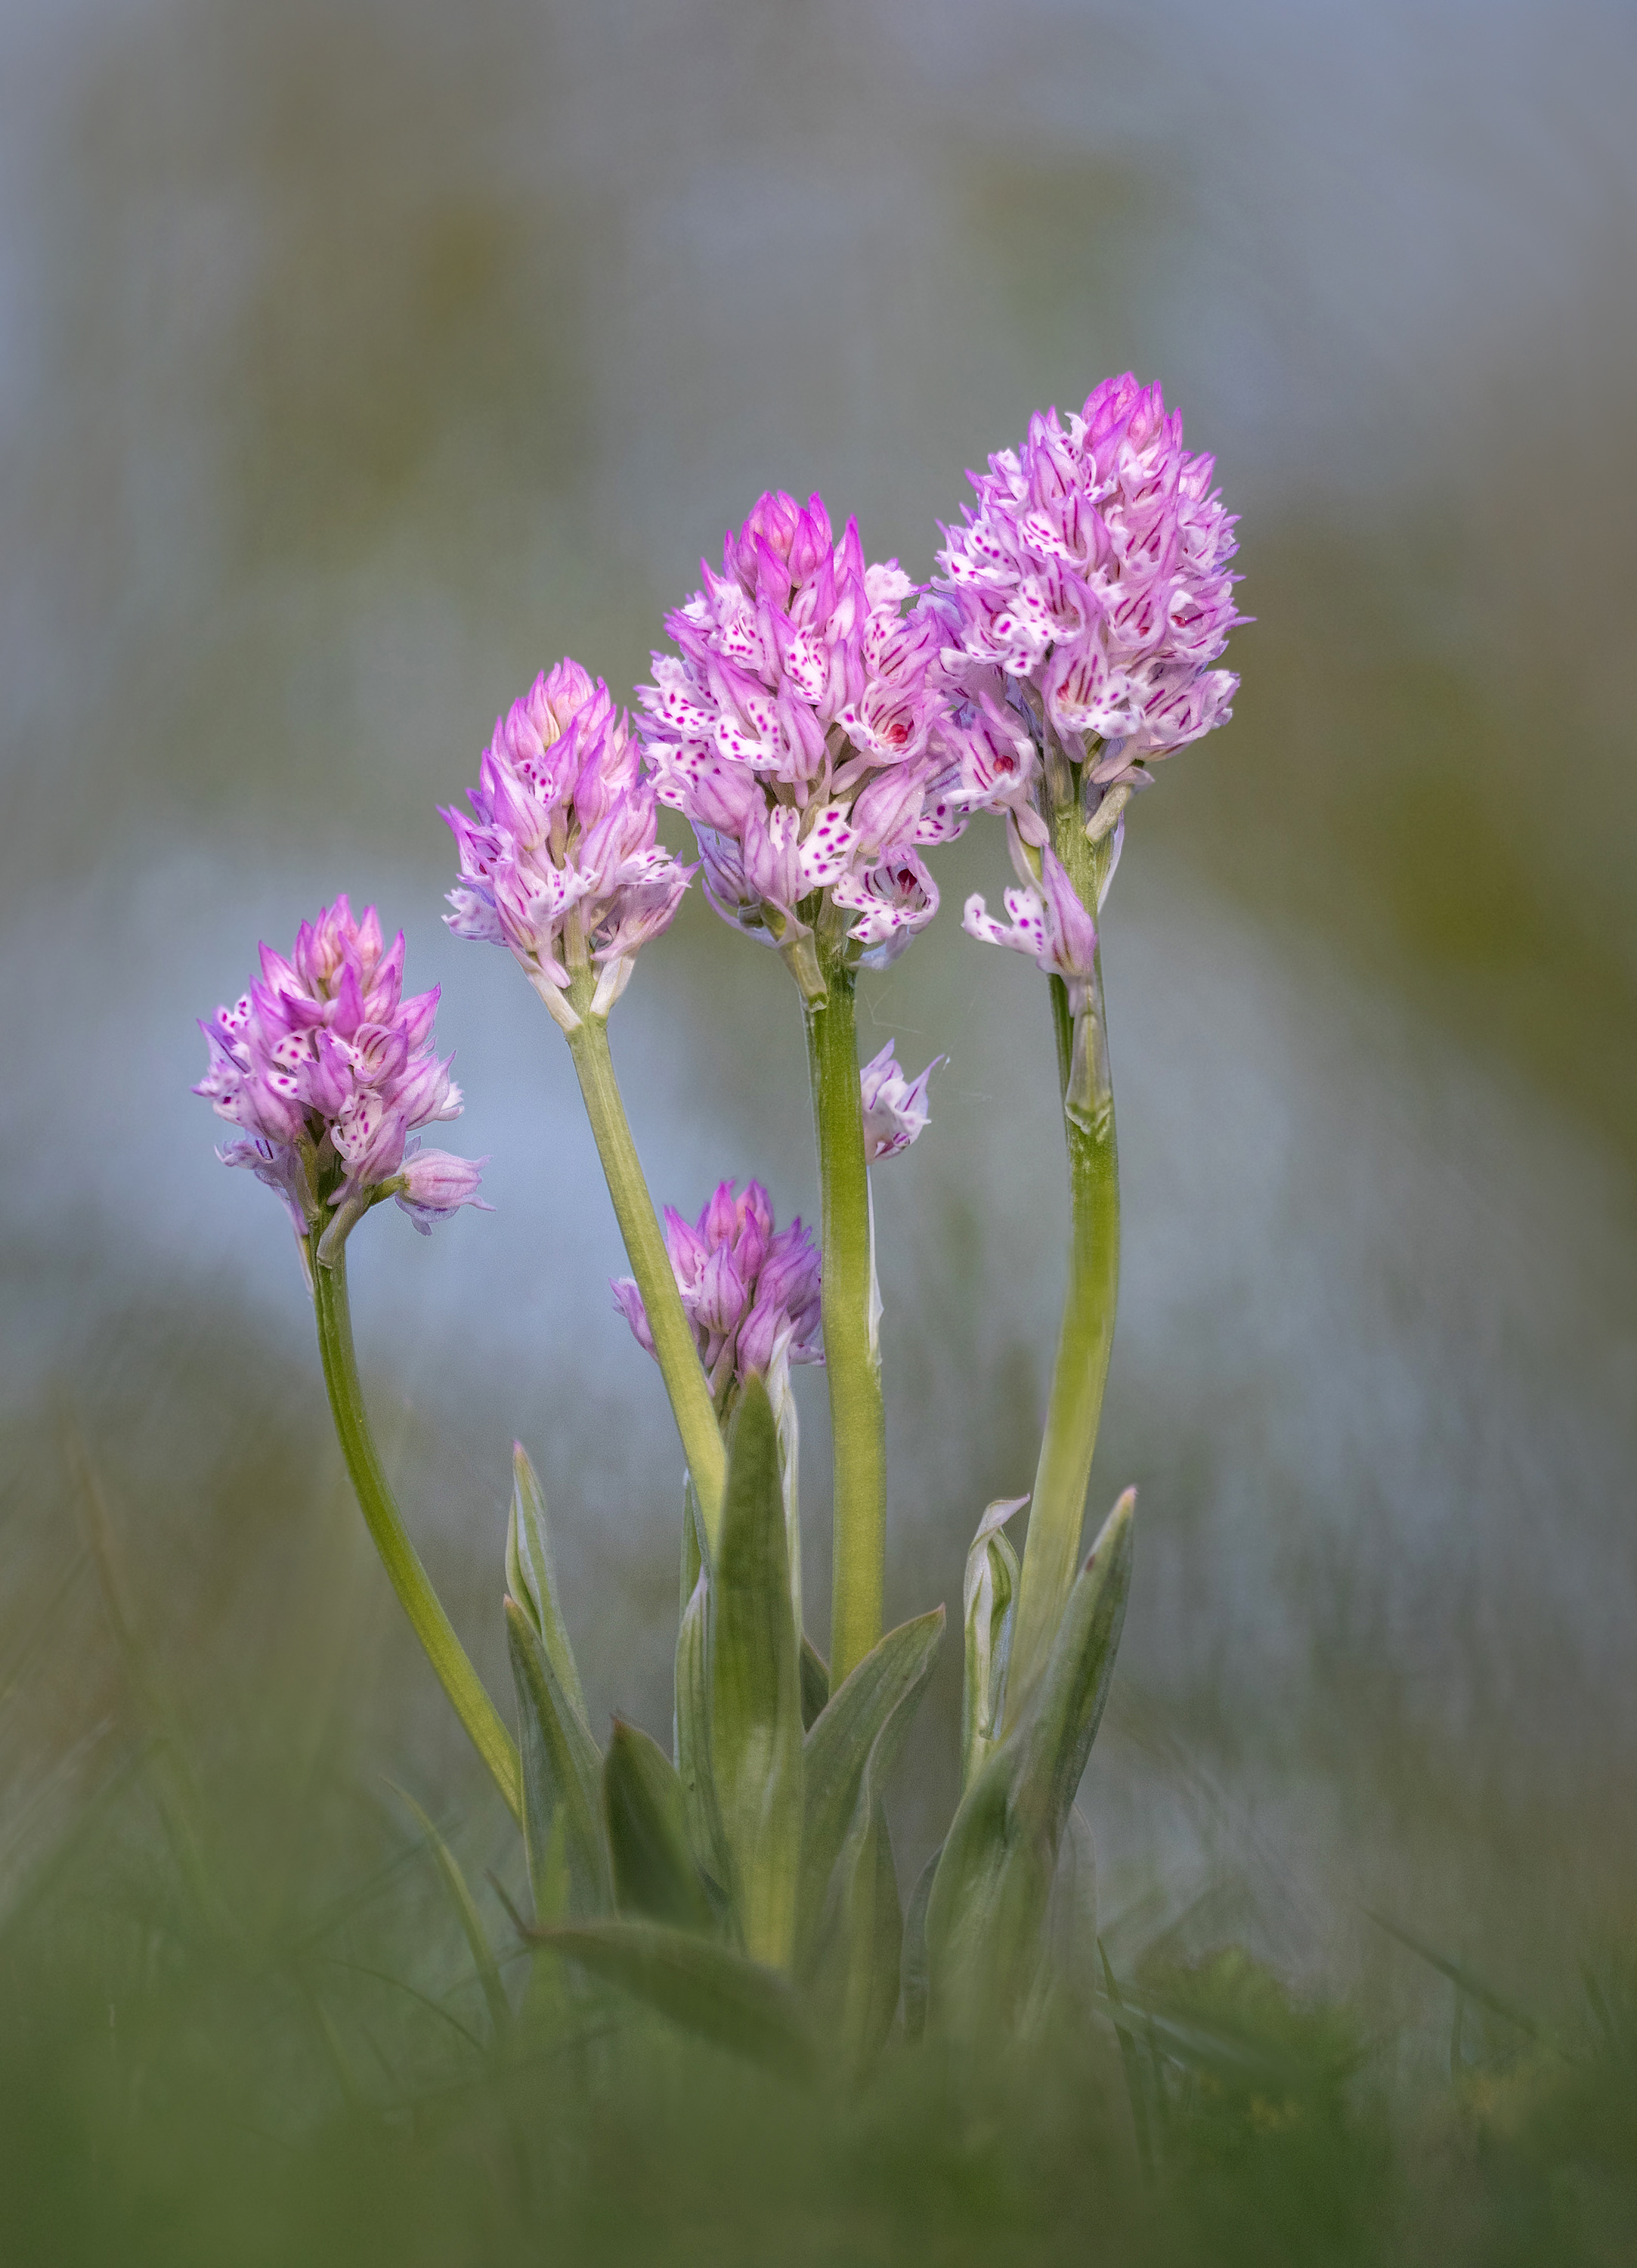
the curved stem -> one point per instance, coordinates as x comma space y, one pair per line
851, 1354
408, 1578
679, 1366
1085, 1337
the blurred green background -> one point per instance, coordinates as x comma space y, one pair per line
358, 360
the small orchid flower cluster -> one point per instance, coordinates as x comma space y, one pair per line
559, 861
331, 1072
749, 1291
794, 731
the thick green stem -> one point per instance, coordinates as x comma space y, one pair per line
408, 1578
679, 1367
852, 1356
1057, 1511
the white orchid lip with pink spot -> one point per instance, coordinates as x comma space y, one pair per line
1049, 923
560, 860
896, 1108
793, 730
329, 1070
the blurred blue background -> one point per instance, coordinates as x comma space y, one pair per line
357, 361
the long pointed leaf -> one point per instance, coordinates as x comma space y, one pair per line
988, 1610
989, 1899
755, 1689
857, 1736
912, 1960
815, 1684
562, 1768
707, 1988
648, 1841
531, 1577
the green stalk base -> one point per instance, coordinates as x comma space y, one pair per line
408, 1578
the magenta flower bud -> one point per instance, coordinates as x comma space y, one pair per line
560, 861
1092, 579
896, 1108
793, 729
751, 1294
330, 1071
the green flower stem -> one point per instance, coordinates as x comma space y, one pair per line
852, 1356
1057, 1511
408, 1578
679, 1366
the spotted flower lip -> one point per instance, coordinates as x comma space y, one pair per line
750, 1292
896, 1108
560, 860
1049, 923
329, 1070
794, 730
1091, 576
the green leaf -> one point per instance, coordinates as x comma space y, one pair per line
913, 1960
815, 1684
692, 1739
988, 1905
530, 1576
855, 1980
562, 1771
648, 1840
988, 1610
755, 1689
707, 1988
850, 1751
1068, 1950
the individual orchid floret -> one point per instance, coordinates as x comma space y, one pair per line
329, 1070
1088, 592
749, 1291
896, 1108
1049, 923
560, 860
793, 731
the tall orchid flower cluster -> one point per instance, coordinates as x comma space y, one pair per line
824, 725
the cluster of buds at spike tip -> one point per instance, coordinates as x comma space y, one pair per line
330, 1072
1087, 594
895, 1108
794, 730
749, 1291
559, 860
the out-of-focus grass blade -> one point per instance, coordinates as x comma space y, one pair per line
707, 1988
648, 1838
1464, 1980
1131, 2063
561, 1767
471, 1921
755, 1689
175, 1790
531, 1575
